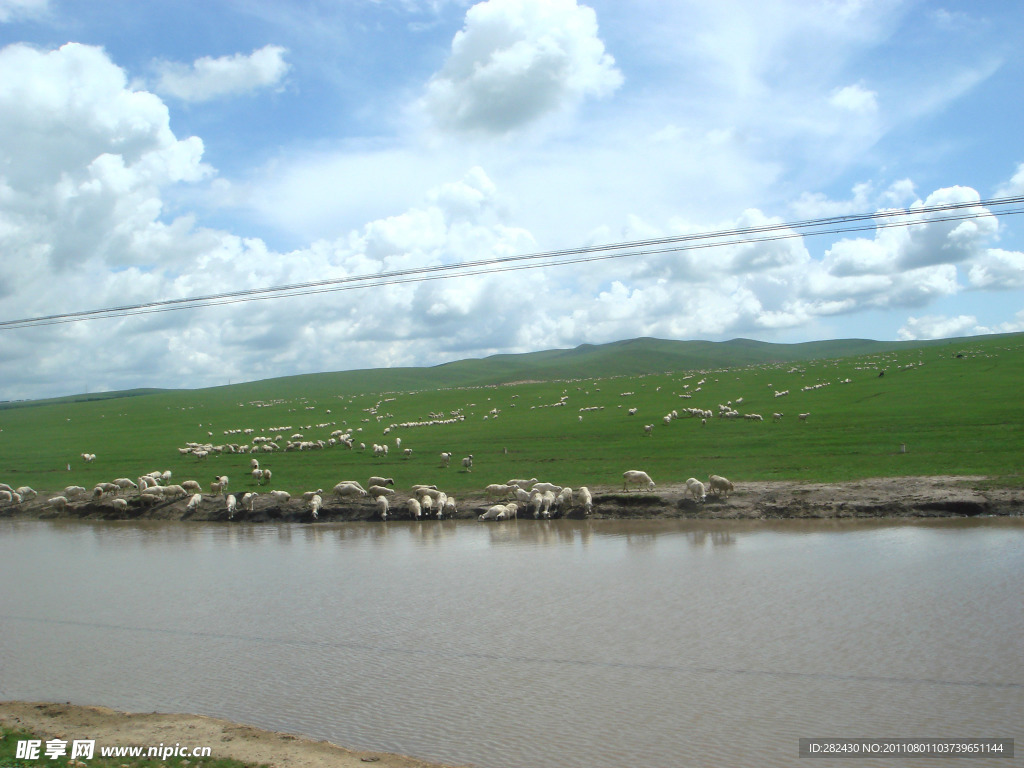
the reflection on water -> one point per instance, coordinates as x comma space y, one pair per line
539, 643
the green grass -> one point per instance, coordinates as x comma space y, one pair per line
956, 415
9, 743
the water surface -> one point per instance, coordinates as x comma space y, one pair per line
531, 643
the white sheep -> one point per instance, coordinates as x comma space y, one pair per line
72, 491
308, 495
315, 504
26, 492
281, 497
493, 513
498, 490
524, 484
718, 484
696, 489
547, 499
123, 484
58, 503
249, 501
194, 502
803, 416
449, 508
649, 428
231, 505
426, 504
446, 458
120, 504
6, 497
564, 499
380, 481
192, 486
545, 487
379, 490
638, 478
415, 510
348, 488
382, 507
467, 463
585, 500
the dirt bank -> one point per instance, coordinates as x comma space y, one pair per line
110, 728
877, 497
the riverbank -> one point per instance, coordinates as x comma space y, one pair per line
891, 497
253, 746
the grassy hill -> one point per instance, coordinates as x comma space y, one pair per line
563, 415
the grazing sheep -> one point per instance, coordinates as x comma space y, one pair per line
231, 505
123, 484
348, 489
314, 505
564, 499
585, 500
379, 490
6, 497
26, 492
638, 478
498, 490
492, 513
696, 489
382, 507
194, 502
718, 484
72, 491
192, 486
545, 487
448, 509
380, 481
426, 504
120, 505
415, 510
57, 503
467, 463
175, 491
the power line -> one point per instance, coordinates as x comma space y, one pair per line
652, 246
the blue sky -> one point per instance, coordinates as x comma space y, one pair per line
161, 150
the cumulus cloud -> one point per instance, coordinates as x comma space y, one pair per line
997, 269
211, 78
516, 61
939, 327
83, 160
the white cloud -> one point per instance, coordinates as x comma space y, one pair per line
516, 61
209, 78
83, 159
1015, 186
997, 269
855, 98
939, 327
11, 10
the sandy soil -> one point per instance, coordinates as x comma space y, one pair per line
226, 739
876, 497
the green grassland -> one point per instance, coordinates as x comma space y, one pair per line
955, 404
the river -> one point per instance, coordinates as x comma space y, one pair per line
531, 643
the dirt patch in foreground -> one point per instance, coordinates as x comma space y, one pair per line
253, 746
872, 498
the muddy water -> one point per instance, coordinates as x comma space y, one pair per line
657, 643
